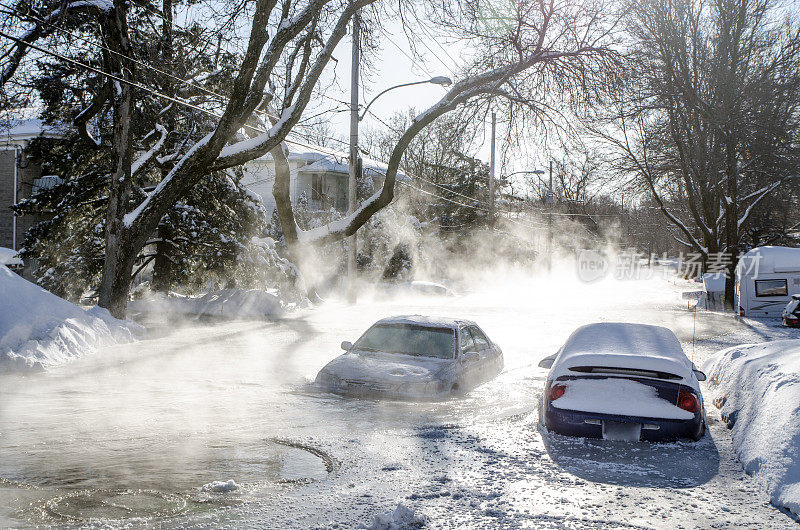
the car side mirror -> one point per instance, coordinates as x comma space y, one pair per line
699, 375
347, 345
547, 362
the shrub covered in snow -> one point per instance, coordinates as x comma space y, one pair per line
758, 393
39, 330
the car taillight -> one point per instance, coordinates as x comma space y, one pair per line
741, 311
556, 391
687, 401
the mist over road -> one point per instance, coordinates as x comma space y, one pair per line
202, 402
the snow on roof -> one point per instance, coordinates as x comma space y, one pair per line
21, 125
330, 160
769, 260
623, 345
9, 257
421, 320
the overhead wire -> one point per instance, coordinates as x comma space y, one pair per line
179, 101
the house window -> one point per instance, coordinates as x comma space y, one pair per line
771, 288
317, 187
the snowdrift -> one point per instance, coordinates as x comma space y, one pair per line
758, 393
227, 303
39, 330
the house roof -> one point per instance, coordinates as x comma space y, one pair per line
22, 125
331, 161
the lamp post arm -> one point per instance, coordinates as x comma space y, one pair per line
387, 90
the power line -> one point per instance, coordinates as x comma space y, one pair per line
147, 89
186, 82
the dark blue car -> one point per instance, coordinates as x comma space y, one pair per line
622, 381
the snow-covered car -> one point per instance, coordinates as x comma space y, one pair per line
623, 382
414, 357
791, 313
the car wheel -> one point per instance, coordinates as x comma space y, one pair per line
701, 433
454, 389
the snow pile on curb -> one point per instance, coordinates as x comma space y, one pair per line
226, 303
758, 393
39, 330
220, 486
401, 518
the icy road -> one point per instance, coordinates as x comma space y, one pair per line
132, 434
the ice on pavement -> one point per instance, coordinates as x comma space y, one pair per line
758, 391
39, 330
401, 518
618, 396
220, 486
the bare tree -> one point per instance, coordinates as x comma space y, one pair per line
710, 112
545, 53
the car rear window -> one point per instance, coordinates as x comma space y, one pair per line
632, 372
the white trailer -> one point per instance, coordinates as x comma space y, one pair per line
766, 279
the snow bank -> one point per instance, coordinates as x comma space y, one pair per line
39, 330
618, 396
401, 518
758, 392
227, 303
9, 257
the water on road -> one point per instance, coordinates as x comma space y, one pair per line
131, 434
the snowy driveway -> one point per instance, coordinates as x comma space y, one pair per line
152, 422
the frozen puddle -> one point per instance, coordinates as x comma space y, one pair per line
106, 496
111, 506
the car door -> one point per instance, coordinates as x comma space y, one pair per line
468, 359
487, 355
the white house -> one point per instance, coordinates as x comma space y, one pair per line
766, 279
320, 175
19, 177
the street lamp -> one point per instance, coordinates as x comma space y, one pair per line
355, 119
438, 80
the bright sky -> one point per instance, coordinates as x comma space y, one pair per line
394, 66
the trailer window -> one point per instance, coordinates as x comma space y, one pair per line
771, 288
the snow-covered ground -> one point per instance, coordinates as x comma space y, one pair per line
197, 403
225, 303
757, 387
39, 330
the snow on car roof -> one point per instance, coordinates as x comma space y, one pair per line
624, 345
421, 320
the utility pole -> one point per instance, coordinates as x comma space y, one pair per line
491, 174
550, 201
351, 184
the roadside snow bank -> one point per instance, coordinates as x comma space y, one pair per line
758, 393
39, 330
402, 517
227, 303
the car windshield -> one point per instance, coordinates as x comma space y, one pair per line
409, 339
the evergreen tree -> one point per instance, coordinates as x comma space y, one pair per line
200, 238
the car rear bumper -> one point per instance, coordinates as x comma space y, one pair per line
590, 424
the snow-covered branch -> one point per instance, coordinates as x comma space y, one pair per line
46, 25
760, 194
140, 162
